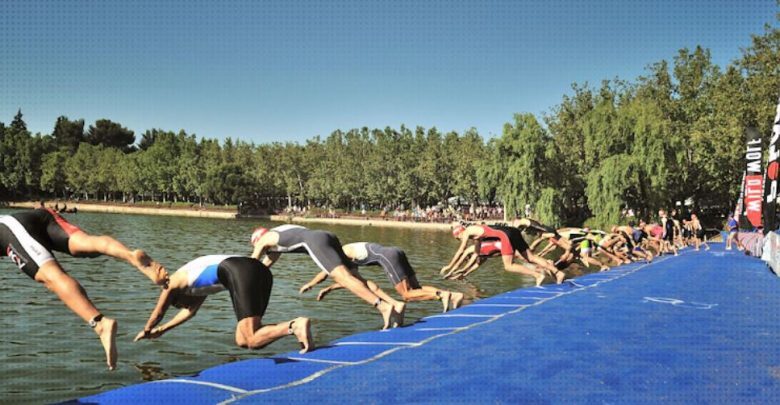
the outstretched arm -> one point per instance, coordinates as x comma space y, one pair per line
320, 277
151, 332
467, 254
182, 316
163, 302
325, 291
462, 248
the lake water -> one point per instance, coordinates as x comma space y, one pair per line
50, 355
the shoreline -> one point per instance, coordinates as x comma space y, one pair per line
123, 209
378, 222
183, 212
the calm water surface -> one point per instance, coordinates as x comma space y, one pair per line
48, 354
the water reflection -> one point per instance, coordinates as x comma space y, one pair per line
151, 371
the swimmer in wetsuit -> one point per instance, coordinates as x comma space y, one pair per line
29, 237
472, 258
512, 245
397, 268
325, 250
249, 283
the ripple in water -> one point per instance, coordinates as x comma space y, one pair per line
49, 355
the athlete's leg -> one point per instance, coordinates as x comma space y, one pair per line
251, 333
398, 307
587, 260
509, 266
342, 276
72, 294
83, 244
612, 257
545, 264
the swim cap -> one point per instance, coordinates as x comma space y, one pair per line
458, 230
257, 234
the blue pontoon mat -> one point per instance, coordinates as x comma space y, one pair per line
701, 327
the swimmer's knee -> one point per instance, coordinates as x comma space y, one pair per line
241, 341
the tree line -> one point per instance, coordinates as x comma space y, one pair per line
675, 133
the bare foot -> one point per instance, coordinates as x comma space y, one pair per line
445, 300
559, 276
457, 299
150, 268
604, 268
387, 312
302, 331
106, 329
539, 278
399, 310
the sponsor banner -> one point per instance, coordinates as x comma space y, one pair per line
754, 193
770, 178
754, 182
771, 252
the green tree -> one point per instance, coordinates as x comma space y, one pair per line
53, 178
68, 134
519, 164
110, 134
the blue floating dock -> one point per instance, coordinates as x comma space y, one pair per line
700, 327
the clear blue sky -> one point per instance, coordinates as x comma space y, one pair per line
289, 70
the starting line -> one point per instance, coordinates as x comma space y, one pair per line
703, 326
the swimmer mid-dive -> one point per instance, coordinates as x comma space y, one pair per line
633, 249
577, 244
249, 283
397, 268
326, 251
29, 237
512, 245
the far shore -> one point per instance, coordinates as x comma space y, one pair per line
130, 209
388, 223
210, 213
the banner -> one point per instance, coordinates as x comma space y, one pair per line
770, 177
754, 179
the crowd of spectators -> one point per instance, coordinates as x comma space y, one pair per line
440, 213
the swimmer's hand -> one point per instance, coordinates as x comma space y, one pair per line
323, 292
153, 334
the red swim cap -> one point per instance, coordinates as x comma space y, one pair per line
257, 234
